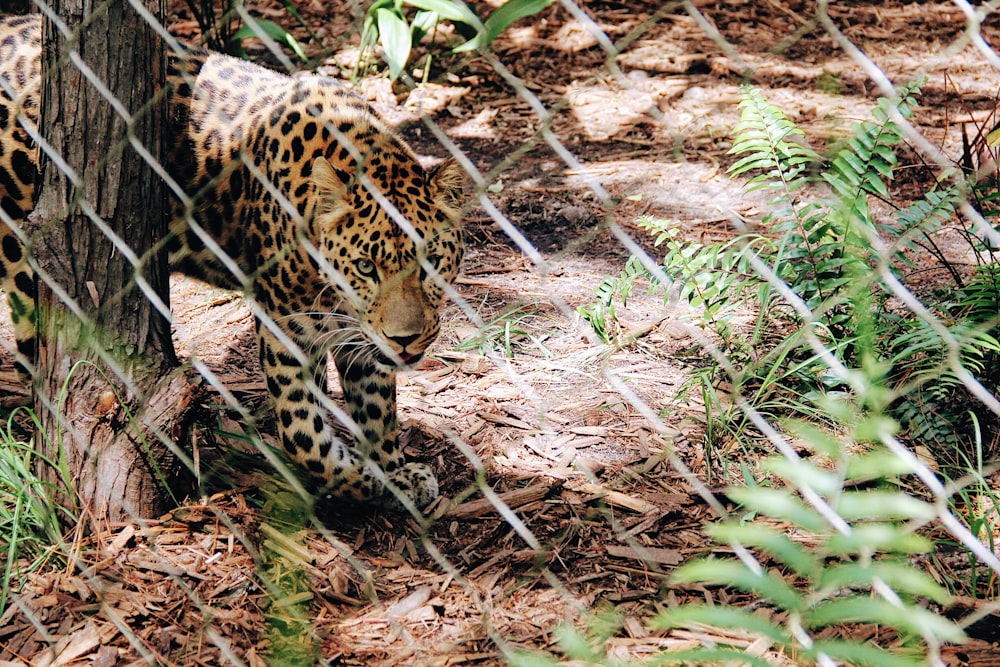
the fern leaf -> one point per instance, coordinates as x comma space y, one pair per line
769, 142
720, 617
853, 653
868, 160
920, 218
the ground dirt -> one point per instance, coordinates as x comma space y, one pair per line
572, 435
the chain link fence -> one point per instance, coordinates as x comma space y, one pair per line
716, 383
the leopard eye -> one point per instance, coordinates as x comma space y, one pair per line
434, 261
365, 267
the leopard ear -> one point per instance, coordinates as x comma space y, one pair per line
447, 183
328, 183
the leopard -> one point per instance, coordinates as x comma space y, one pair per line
297, 193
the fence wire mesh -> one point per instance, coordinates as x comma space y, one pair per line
717, 382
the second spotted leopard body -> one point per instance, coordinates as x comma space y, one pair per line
301, 196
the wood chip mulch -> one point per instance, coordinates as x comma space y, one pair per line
185, 589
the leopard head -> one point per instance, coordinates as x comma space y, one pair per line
392, 240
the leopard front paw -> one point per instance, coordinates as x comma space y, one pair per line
415, 481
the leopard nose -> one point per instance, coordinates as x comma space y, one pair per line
403, 341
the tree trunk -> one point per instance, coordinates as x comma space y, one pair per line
114, 418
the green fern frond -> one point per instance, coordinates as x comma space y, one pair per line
865, 164
922, 217
769, 142
714, 278
660, 229
980, 297
717, 276
853, 653
826, 244
601, 314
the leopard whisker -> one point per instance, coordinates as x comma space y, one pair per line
327, 315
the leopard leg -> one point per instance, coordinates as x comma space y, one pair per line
370, 394
346, 470
18, 282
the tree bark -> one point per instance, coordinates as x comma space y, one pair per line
107, 417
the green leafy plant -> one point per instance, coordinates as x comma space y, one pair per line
506, 332
827, 256
399, 25
824, 245
827, 282
601, 314
284, 574
822, 550
846, 502
933, 405
715, 278
225, 31
826, 242
30, 532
